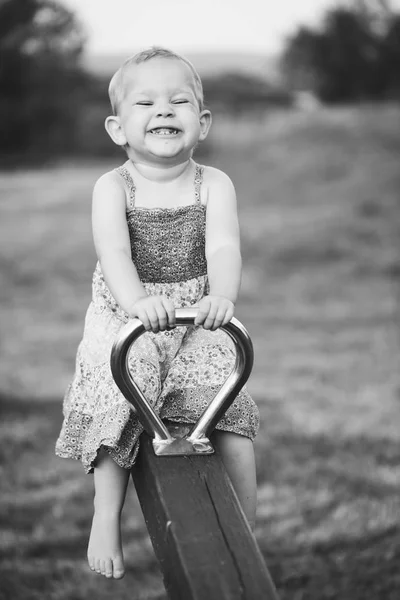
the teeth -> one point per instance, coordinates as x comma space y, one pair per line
164, 131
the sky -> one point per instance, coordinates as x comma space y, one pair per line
118, 26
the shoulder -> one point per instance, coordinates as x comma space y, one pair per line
109, 186
216, 177
219, 188
109, 181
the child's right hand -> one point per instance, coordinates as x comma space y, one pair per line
156, 313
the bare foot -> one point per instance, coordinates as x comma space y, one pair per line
105, 550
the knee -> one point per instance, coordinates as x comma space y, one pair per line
232, 442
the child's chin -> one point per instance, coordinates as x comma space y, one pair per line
164, 147
167, 152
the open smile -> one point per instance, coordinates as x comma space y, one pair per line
164, 131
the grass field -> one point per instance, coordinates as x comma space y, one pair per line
320, 213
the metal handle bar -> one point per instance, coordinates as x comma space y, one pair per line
196, 441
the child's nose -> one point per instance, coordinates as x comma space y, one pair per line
165, 110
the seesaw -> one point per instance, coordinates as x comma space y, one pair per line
199, 533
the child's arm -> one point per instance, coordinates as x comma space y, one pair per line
224, 262
112, 243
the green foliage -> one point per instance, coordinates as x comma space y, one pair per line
354, 56
40, 78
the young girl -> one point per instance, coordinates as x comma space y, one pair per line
166, 235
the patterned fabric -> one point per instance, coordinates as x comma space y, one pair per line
179, 371
167, 244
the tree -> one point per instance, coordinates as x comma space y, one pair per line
353, 56
390, 58
40, 77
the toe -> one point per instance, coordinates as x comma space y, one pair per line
103, 567
118, 568
108, 568
91, 562
97, 566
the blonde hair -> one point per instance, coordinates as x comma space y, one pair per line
116, 87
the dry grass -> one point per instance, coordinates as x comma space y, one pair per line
320, 217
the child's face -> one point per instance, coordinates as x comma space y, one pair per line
159, 117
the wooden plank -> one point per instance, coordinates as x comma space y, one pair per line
199, 533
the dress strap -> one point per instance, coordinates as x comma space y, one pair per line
198, 180
127, 177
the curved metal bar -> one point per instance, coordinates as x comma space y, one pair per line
196, 440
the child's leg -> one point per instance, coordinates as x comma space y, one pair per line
238, 456
105, 549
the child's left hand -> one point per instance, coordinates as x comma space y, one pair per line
214, 311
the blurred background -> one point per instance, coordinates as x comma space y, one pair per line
306, 105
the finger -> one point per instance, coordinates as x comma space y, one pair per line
219, 318
228, 315
142, 316
162, 317
153, 319
202, 313
171, 316
209, 321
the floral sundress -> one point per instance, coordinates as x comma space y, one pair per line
179, 371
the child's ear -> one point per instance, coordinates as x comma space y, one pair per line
205, 124
115, 131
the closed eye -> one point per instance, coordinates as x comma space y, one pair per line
180, 101
144, 103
